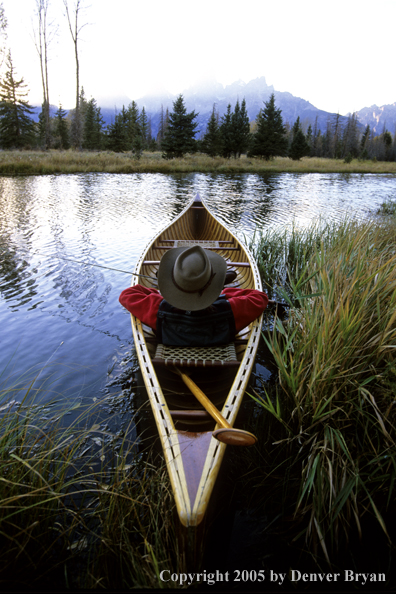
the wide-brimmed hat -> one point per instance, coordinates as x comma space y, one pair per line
191, 278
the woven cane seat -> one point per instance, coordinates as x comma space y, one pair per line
219, 356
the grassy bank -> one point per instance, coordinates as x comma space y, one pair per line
54, 162
329, 424
79, 507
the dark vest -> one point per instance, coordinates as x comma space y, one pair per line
212, 326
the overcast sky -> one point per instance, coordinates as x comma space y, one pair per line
338, 55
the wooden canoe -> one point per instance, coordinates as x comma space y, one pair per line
193, 456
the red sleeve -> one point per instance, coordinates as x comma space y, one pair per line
246, 305
142, 303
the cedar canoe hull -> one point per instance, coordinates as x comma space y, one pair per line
193, 457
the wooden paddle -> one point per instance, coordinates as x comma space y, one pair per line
227, 434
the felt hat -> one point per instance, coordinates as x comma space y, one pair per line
191, 278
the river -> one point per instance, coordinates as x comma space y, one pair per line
61, 322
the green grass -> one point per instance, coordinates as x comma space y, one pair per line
54, 162
388, 207
73, 513
329, 436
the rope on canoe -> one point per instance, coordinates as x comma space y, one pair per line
220, 356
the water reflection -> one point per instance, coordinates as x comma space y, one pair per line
105, 219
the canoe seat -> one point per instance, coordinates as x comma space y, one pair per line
219, 356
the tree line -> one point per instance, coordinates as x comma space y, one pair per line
228, 136
268, 136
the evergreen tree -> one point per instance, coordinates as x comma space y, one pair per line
240, 130
77, 121
316, 140
43, 128
364, 143
93, 127
163, 126
334, 137
61, 130
226, 133
16, 126
211, 142
180, 135
151, 144
144, 128
299, 147
269, 140
117, 137
132, 124
386, 138
309, 138
350, 138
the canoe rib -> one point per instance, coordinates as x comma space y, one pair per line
192, 455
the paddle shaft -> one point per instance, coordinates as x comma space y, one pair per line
204, 400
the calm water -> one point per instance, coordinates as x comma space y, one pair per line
61, 320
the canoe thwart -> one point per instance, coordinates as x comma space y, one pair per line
207, 244
190, 415
218, 247
229, 263
219, 356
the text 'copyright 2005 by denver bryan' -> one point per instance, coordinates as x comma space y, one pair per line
294, 575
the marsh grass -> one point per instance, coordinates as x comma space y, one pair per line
330, 436
388, 207
73, 515
54, 162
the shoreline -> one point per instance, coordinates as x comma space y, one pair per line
64, 162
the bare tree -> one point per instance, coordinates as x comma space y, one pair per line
75, 30
3, 34
42, 36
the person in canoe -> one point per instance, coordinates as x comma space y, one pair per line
192, 306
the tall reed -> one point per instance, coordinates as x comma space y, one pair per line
335, 406
79, 506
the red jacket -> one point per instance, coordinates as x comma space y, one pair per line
246, 304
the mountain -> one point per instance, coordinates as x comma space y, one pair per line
202, 97
255, 93
379, 118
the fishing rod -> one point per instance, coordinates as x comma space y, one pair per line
98, 266
272, 303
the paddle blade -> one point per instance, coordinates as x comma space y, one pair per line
235, 437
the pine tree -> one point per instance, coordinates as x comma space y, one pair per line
144, 128
299, 147
77, 120
240, 130
226, 133
132, 124
310, 139
211, 142
117, 137
93, 127
180, 135
16, 127
269, 140
350, 138
163, 125
316, 140
43, 129
61, 130
334, 129
364, 143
